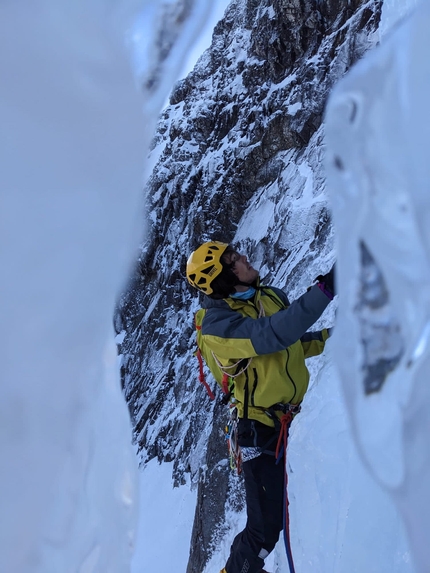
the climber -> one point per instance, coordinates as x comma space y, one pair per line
261, 340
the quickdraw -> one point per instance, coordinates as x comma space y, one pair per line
234, 451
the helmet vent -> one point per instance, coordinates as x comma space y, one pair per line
209, 271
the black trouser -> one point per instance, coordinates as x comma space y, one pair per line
264, 486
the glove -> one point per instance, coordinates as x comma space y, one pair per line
327, 282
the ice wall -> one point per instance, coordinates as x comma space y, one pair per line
74, 136
393, 11
378, 129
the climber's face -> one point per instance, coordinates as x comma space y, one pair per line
241, 268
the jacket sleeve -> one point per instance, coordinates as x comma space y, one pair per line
281, 295
313, 342
230, 335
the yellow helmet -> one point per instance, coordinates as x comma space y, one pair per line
205, 264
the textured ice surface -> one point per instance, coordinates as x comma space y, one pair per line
393, 11
73, 139
378, 131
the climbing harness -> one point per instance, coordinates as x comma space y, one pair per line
289, 411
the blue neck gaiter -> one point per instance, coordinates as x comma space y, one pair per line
246, 295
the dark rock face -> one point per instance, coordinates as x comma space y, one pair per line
243, 130
216, 484
381, 333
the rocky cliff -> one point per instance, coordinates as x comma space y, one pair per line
238, 156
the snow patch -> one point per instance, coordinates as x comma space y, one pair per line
166, 521
294, 108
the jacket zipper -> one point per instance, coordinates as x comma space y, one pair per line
246, 396
254, 388
289, 375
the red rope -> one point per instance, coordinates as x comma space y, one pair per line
285, 423
283, 442
224, 383
202, 377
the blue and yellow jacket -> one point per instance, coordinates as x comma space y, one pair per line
262, 344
